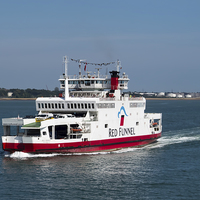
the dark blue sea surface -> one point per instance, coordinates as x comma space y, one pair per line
168, 169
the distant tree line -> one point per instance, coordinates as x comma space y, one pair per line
29, 93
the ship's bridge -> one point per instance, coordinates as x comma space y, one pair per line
92, 82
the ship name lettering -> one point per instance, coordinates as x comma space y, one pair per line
126, 131
122, 132
113, 132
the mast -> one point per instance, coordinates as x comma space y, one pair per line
118, 65
66, 78
98, 71
79, 63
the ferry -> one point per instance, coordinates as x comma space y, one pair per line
91, 115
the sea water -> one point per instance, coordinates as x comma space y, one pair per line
168, 169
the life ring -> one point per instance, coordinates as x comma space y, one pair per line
155, 123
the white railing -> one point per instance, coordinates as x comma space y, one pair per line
91, 77
135, 98
107, 99
153, 115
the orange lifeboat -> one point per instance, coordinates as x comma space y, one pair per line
76, 130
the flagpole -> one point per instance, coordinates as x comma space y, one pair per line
65, 60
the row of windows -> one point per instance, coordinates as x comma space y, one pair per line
51, 105
87, 82
132, 105
69, 105
106, 105
80, 105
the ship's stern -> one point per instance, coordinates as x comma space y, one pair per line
12, 143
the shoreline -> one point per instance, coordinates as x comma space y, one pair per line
26, 99
11, 99
183, 99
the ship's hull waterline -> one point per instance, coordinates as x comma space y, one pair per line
82, 147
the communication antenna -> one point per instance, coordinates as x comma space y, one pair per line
98, 71
118, 65
79, 63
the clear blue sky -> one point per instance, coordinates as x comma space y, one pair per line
157, 41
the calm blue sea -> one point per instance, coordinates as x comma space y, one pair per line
168, 169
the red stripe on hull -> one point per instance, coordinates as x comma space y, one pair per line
80, 147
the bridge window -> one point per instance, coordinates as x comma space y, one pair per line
56, 106
87, 82
42, 105
82, 106
38, 105
79, 106
52, 105
45, 105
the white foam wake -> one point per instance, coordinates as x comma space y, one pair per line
22, 155
181, 136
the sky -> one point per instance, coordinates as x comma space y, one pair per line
157, 41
